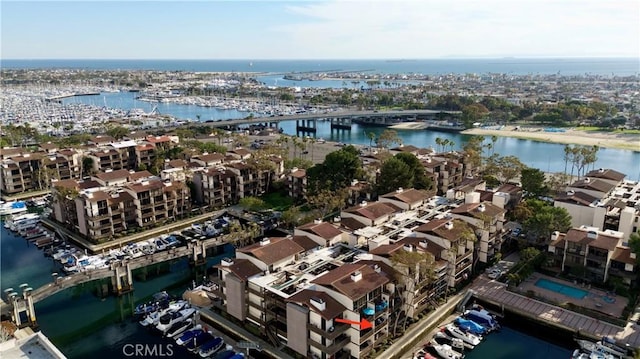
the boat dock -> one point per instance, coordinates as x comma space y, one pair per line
63, 96
496, 293
120, 272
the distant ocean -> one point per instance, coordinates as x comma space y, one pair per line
516, 66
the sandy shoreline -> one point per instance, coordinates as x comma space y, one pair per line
570, 136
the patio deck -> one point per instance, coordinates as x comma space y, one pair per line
594, 299
495, 292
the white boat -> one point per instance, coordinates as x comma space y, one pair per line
154, 317
600, 348
169, 319
445, 351
179, 328
7, 208
12, 220
458, 333
455, 343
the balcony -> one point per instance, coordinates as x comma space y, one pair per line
330, 334
366, 334
338, 344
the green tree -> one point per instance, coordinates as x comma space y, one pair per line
420, 179
337, 170
634, 244
326, 201
372, 137
291, 217
394, 174
545, 220
252, 203
118, 132
413, 269
388, 138
533, 182
509, 167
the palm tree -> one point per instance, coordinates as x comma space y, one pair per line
438, 142
494, 139
451, 144
371, 136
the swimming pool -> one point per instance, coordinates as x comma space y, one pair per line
561, 288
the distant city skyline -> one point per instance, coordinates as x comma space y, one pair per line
319, 29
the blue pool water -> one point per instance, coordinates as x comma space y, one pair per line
561, 288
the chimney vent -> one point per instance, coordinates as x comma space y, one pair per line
319, 303
356, 276
265, 241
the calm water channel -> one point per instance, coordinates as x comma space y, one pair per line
545, 156
83, 325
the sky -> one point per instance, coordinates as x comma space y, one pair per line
341, 29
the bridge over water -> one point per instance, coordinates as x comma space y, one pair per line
120, 272
306, 122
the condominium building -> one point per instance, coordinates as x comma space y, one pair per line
487, 221
35, 170
593, 254
102, 208
604, 200
296, 184
294, 296
457, 246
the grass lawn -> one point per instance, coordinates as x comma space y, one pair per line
277, 201
610, 130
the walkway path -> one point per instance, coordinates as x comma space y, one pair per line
219, 320
419, 330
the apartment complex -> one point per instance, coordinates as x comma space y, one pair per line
294, 288
593, 254
114, 202
605, 200
29, 171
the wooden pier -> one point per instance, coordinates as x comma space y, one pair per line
497, 294
120, 272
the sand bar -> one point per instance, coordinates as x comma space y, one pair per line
603, 139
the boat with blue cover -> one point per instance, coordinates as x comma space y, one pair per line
198, 341
225, 354
209, 348
189, 335
470, 326
482, 317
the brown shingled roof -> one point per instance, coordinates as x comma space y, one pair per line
576, 197
113, 175
324, 229
332, 309
596, 184
623, 254
242, 268
373, 210
277, 249
408, 196
437, 228
602, 241
305, 242
140, 174
490, 209
340, 280
606, 174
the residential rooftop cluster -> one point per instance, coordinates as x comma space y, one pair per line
294, 288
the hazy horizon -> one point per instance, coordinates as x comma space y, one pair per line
319, 30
